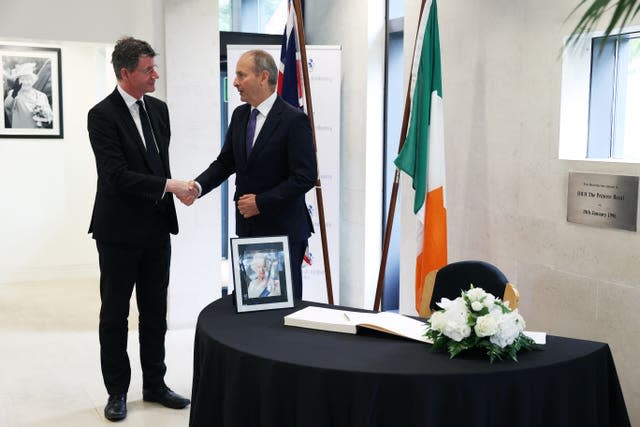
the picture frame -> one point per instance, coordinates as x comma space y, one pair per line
261, 273
34, 75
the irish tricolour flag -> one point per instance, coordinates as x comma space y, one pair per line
422, 155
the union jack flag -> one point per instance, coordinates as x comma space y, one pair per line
290, 77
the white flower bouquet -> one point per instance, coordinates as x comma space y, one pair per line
478, 320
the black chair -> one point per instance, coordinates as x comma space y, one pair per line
452, 279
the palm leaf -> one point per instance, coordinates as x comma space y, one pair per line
623, 12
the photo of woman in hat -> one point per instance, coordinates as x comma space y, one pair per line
25, 106
266, 282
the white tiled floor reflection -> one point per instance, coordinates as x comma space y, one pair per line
49, 360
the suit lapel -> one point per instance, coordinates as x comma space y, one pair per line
163, 146
269, 126
125, 117
241, 147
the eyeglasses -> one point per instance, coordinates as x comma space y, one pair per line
149, 70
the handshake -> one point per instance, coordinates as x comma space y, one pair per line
186, 191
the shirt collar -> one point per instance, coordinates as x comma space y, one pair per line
128, 99
266, 105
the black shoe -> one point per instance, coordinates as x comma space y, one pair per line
116, 408
165, 397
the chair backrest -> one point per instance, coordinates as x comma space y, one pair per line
453, 278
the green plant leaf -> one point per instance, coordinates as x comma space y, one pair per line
623, 12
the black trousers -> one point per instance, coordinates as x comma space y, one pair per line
296, 256
122, 267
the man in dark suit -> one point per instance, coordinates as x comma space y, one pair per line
273, 158
133, 215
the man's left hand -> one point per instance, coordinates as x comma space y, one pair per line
247, 205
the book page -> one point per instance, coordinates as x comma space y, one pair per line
392, 323
329, 319
325, 319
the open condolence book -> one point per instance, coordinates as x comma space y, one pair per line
328, 319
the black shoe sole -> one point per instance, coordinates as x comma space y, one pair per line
170, 406
116, 418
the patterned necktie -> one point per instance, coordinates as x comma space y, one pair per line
152, 152
251, 130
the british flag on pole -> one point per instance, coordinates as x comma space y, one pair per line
290, 77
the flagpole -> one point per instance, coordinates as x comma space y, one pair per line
394, 190
307, 93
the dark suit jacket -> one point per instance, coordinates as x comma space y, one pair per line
129, 208
280, 170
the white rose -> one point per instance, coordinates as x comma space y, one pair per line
477, 306
476, 294
489, 301
438, 321
486, 325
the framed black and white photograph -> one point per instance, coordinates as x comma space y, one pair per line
31, 91
261, 273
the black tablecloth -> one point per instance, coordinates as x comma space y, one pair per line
251, 370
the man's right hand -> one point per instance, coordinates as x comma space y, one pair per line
185, 191
16, 88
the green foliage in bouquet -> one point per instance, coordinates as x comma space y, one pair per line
478, 320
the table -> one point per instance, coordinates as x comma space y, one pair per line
251, 370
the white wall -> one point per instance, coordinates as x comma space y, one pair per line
50, 184
507, 190
193, 74
49, 196
362, 41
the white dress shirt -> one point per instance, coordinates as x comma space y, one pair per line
134, 110
263, 109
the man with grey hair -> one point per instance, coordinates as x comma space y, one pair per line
269, 147
133, 215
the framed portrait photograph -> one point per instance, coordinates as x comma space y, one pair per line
31, 92
261, 273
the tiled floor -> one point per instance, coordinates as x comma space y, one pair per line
49, 360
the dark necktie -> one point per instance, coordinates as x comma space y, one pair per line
251, 130
152, 152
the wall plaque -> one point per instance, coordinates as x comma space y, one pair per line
600, 200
